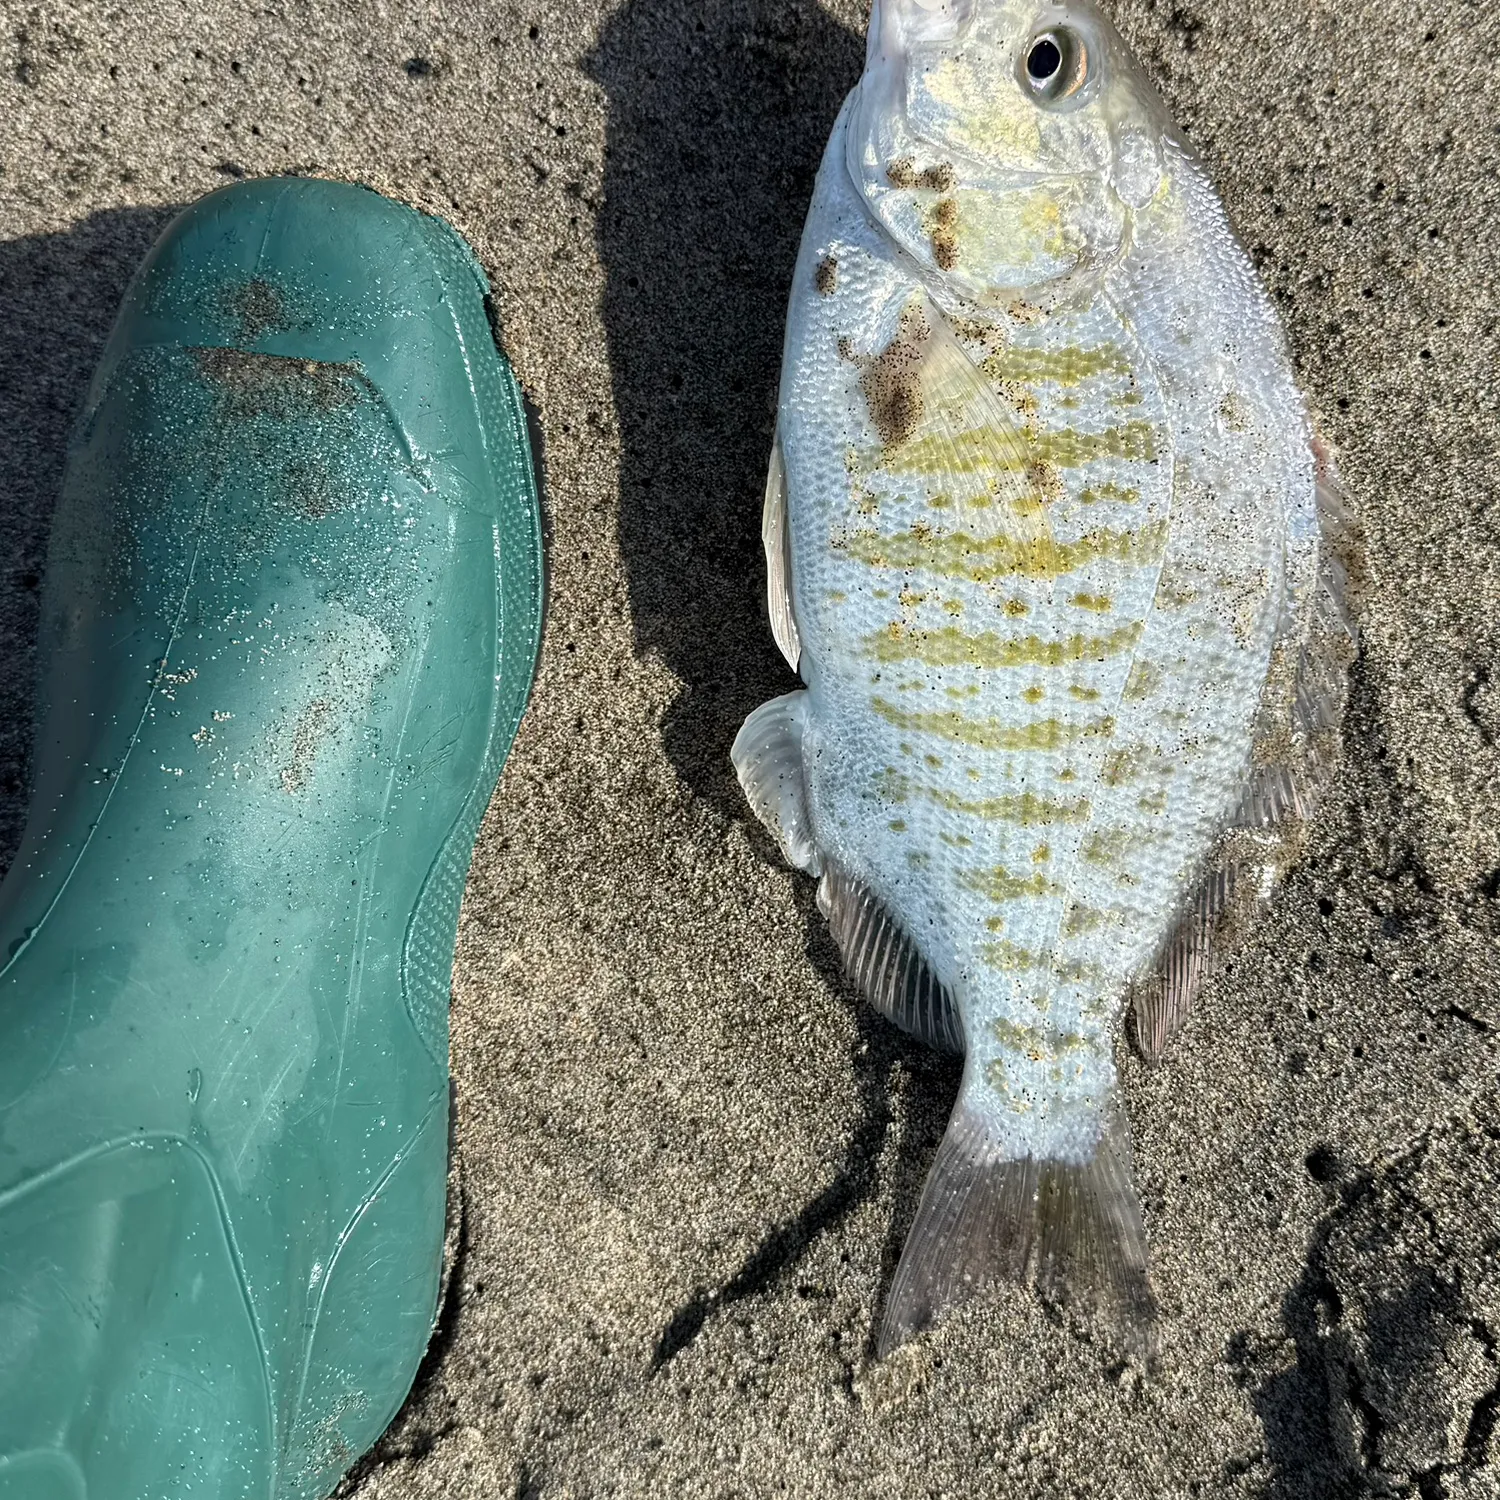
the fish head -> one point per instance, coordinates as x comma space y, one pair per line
1005, 144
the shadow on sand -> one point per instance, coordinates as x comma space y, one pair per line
58, 297
718, 114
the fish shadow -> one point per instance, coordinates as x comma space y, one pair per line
880, 1050
59, 294
718, 111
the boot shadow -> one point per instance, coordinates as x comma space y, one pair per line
58, 298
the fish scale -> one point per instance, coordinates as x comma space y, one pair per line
1044, 546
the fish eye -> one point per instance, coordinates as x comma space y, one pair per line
1055, 66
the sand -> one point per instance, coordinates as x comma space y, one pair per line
688, 1154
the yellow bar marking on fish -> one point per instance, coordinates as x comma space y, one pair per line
951, 647
990, 734
1040, 1044
1144, 680
1083, 694
1081, 919
934, 761
995, 924
960, 554
1123, 494
1034, 694
1101, 604
1123, 764
1152, 802
998, 884
1025, 808
953, 606
1008, 958
985, 449
1104, 846
1068, 366
1015, 608
897, 825
957, 840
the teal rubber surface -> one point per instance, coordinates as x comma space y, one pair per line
292, 611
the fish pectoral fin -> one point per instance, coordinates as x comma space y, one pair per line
960, 439
776, 536
883, 959
767, 756
986, 1216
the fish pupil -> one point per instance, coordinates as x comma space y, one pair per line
1044, 59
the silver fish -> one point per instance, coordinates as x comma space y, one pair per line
1056, 552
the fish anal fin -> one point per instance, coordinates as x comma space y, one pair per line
767, 756
986, 1216
883, 959
776, 537
1162, 1001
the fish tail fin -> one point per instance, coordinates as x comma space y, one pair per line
987, 1215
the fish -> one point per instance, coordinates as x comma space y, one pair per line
1064, 567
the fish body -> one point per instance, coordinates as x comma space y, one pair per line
1046, 545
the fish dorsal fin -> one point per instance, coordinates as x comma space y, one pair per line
883, 959
1290, 784
941, 424
767, 756
776, 536
1281, 793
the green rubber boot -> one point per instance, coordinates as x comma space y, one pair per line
291, 617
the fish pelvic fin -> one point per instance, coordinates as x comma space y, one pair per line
987, 1216
767, 756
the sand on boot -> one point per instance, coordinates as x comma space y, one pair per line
689, 1153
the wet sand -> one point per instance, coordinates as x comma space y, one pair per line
688, 1154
